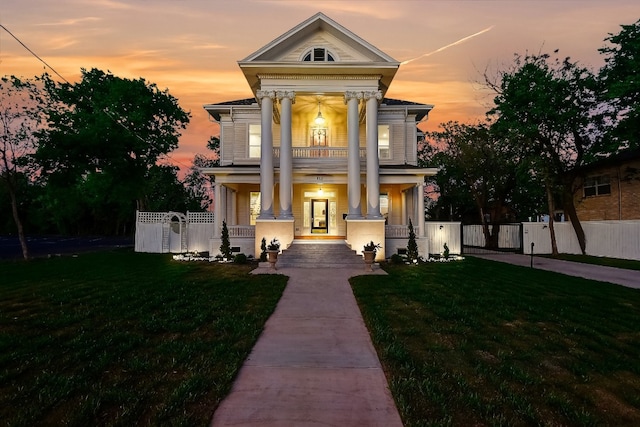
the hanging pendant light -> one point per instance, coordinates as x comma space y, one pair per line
319, 119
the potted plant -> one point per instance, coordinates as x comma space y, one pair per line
273, 248
369, 253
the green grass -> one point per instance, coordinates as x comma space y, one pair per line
121, 339
478, 342
629, 264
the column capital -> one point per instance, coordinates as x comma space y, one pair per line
352, 94
286, 94
266, 94
377, 94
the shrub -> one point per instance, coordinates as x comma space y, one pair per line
263, 250
396, 259
225, 247
412, 245
240, 259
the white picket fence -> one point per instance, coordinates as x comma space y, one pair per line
615, 239
508, 236
440, 233
173, 232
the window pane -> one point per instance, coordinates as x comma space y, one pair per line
254, 207
318, 54
254, 140
383, 142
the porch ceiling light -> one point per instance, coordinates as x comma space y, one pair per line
319, 119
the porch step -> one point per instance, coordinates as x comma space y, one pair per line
319, 254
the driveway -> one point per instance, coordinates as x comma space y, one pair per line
40, 246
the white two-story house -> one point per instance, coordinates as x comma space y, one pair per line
318, 152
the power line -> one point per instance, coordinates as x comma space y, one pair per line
33, 53
114, 119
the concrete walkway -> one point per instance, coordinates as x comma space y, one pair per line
314, 364
618, 276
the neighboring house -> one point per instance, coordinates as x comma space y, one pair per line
609, 189
319, 152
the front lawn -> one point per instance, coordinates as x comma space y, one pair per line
479, 342
121, 338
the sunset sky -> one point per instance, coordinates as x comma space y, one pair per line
192, 47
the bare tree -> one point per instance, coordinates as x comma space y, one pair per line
20, 120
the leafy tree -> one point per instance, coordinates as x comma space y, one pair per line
477, 165
199, 185
620, 78
165, 192
214, 145
106, 134
20, 118
549, 105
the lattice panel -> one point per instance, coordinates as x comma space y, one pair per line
200, 217
150, 217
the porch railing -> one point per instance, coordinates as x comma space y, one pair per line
396, 231
241, 231
320, 152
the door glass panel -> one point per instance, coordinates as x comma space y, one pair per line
319, 216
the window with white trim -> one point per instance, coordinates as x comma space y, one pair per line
255, 137
597, 186
318, 54
254, 206
384, 151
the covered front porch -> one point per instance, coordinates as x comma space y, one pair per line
320, 212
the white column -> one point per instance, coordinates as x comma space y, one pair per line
352, 100
266, 154
286, 154
234, 208
420, 210
404, 207
373, 163
217, 209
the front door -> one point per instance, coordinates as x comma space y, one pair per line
319, 216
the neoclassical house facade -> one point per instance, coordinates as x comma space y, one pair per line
319, 152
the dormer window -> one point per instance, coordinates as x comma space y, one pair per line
318, 54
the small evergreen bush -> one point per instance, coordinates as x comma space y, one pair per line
240, 259
225, 247
412, 245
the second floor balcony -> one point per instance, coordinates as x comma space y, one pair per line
320, 152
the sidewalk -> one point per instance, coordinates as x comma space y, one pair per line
617, 276
314, 363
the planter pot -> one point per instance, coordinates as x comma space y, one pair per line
369, 258
272, 257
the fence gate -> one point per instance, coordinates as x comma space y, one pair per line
174, 233
509, 239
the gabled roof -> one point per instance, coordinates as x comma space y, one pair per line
304, 30
354, 56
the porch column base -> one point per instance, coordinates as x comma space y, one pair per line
281, 229
363, 231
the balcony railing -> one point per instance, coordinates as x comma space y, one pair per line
320, 152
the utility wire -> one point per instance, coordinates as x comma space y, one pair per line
114, 119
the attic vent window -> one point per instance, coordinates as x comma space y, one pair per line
318, 54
